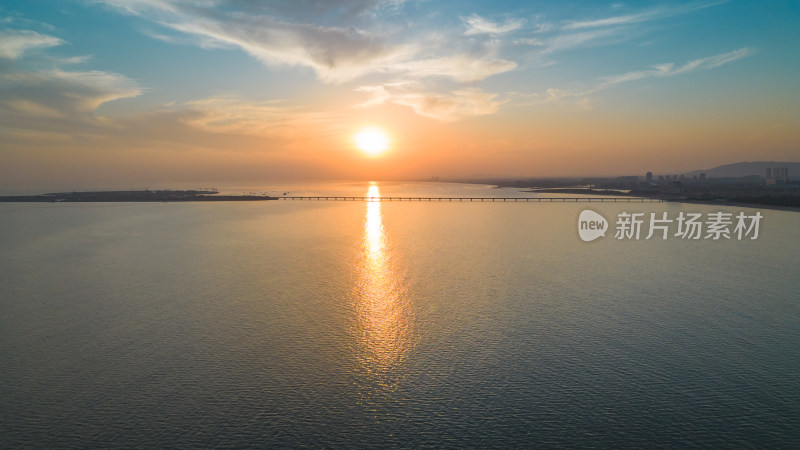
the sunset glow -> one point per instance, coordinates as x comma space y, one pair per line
235, 92
384, 321
372, 141
400, 223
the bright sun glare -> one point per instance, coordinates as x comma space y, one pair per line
372, 140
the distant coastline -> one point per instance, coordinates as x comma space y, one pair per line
736, 202
135, 196
740, 204
213, 196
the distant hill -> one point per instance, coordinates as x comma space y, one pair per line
743, 169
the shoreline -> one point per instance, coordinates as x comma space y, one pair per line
164, 196
226, 198
132, 196
739, 204
713, 202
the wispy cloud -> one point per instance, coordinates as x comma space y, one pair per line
14, 43
31, 108
568, 41
548, 38
343, 12
610, 21
344, 40
446, 107
461, 68
336, 53
652, 14
579, 97
229, 114
65, 92
18, 21
670, 69
479, 25
54, 92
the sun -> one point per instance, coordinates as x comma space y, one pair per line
372, 141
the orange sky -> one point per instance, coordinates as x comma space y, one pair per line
501, 89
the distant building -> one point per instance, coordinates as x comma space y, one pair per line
703, 176
777, 175
649, 176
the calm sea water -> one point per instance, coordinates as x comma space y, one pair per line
355, 324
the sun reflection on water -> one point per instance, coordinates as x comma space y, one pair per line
383, 326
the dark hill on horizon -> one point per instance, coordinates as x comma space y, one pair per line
743, 169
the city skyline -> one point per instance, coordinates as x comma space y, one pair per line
110, 92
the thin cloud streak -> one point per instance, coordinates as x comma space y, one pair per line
669, 69
478, 25
579, 98
233, 115
640, 17
461, 68
548, 38
57, 92
14, 43
445, 107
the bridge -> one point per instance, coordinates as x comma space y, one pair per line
475, 199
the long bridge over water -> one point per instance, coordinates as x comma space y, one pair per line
472, 199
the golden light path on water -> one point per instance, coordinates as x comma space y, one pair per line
384, 319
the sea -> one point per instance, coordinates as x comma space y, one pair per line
373, 324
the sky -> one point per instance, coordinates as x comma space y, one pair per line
113, 93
